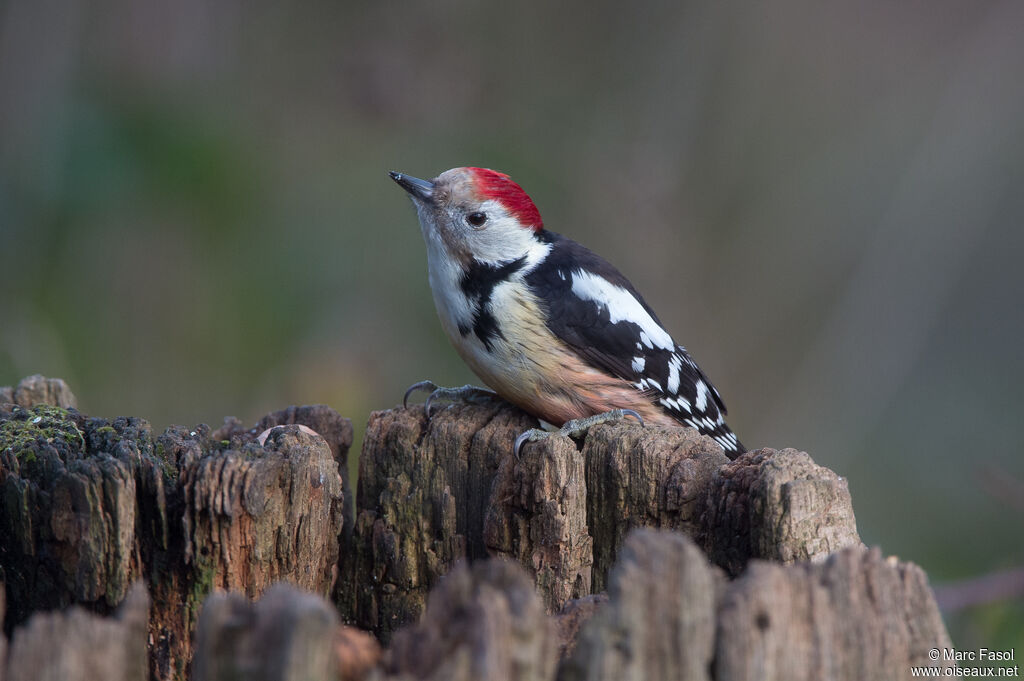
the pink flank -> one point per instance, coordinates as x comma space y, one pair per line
500, 187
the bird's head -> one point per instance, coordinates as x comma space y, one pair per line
475, 214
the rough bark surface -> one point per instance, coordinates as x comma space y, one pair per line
481, 622
659, 622
285, 635
776, 505
644, 477
33, 390
856, 615
423, 491
537, 515
251, 520
671, 615
428, 490
244, 518
358, 653
329, 424
89, 505
70, 508
571, 618
76, 645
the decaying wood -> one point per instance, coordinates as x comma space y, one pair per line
537, 514
776, 505
251, 520
285, 635
37, 389
423, 491
669, 614
856, 615
69, 510
76, 645
481, 622
644, 477
89, 505
567, 529
473, 563
659, 622
571, 618
329, 424
357, 652
243, 519
672, 616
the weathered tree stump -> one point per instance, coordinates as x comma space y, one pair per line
537, 515
69, 510
89, 505
251, 519
329, 424
657, 517
3, 639
571, 618
856, 615
644, 477
357, 652
776, 505
37, 389
76, 645
285, 635
671, 615
566, 528
659, 622
423, 493
481, 622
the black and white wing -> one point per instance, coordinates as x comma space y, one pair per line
594, 309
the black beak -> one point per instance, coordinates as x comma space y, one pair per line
419, 189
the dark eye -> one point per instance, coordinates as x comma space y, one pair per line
476, 219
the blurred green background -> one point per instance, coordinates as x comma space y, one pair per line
821, 200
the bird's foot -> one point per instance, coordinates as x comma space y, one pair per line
467, 394
576, 427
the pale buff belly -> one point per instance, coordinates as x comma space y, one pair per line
528, 366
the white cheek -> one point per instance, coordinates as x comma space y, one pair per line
501, 239
504, 246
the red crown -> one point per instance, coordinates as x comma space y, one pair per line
500, 187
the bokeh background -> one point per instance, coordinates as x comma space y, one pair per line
823, 201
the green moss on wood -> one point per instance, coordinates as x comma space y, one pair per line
167, 467
27, 429
203, 577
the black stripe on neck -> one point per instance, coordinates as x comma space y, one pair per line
478, 283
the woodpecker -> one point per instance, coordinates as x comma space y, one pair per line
546, 323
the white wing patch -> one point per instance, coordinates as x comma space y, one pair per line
674, 366
701, 401
639, 363
648, 384
622, 306
678, 403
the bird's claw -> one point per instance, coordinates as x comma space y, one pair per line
575, 428
579, 427
468, 394
422, 385
531, 435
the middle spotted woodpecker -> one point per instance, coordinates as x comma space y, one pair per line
546, 323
